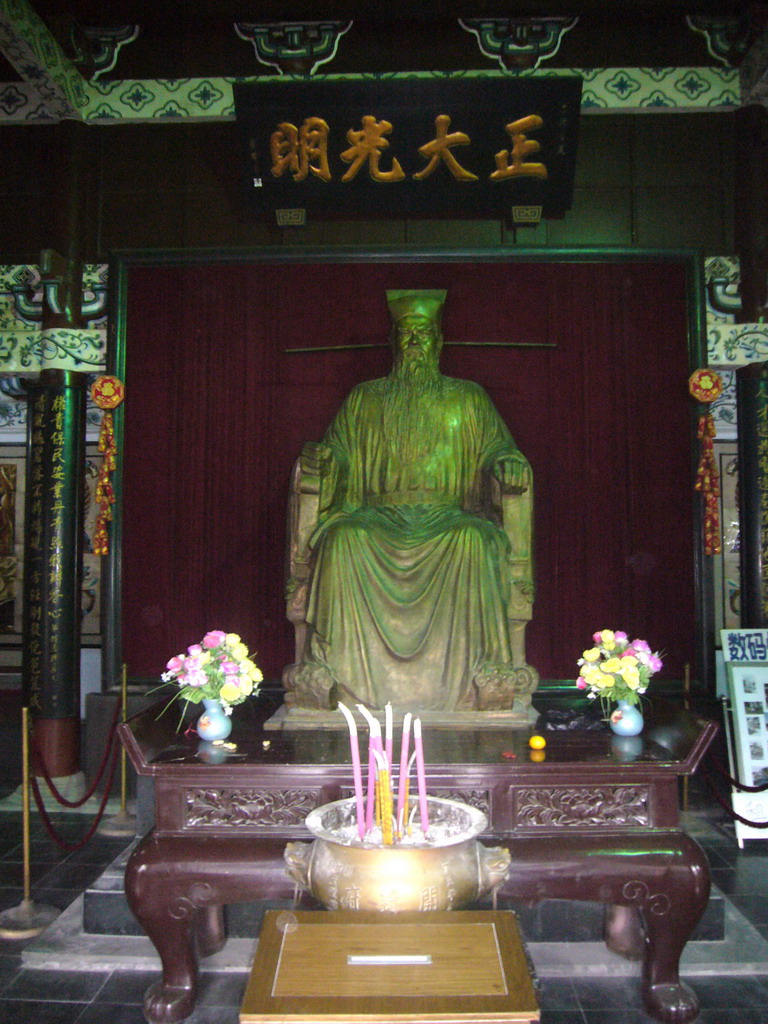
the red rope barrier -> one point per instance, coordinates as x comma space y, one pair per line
72, 847
730, 810
92, 788
735, 782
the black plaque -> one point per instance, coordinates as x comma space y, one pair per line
465, 147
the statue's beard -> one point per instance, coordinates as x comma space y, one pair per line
411, 413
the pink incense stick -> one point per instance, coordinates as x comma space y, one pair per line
374, 744
402, 778
388, 734
421, 775
357, 773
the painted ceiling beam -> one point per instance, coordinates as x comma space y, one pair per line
47, 72
53, 88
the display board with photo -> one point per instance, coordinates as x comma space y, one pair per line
748, 685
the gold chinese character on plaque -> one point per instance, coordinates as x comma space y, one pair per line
439, 149
301, 150
512, 163
366, 146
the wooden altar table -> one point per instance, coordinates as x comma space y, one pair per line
596, 819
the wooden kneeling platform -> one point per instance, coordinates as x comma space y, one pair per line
466, 966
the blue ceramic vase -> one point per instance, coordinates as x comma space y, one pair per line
213, 724
626, 719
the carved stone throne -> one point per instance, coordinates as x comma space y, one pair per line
311, 495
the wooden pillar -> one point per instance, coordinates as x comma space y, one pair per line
751, 209
56, 473
53, 569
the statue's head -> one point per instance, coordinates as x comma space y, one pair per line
416, 331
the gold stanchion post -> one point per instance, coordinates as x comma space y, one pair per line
28, 918
123, 823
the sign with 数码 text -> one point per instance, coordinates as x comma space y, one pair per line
469, 147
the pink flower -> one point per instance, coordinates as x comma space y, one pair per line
630, 652
176, 664
214, 638
231, 668
581, 682
655, 663
192, 664
620, 637
196, 678
642, 645
597, 637
195, 649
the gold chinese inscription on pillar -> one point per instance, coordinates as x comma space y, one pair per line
8, 561
34, 580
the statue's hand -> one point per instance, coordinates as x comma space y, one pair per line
316, 458
513, 474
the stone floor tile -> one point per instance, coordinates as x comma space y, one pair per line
55, 986
39, 1012
608, 994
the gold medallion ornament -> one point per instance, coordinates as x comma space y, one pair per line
107, 393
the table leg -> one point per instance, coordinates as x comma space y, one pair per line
686, 888
663, 876
176, 887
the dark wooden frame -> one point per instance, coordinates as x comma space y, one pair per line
122, 261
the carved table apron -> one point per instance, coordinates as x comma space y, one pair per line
597, 819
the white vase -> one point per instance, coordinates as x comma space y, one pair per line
213, 724
626, 719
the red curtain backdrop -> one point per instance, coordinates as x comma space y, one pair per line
217, 410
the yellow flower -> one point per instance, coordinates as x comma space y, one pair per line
204, 658
231, 639
592, 654
612, 665
256, 674
239, 652
608, 639
229, 692
607, 681
628, 659
246, 686
631, 676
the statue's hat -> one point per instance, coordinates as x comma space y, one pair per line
416, 303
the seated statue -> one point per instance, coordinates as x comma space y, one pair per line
410, 576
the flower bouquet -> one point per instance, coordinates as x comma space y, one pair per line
616, 668
218, 668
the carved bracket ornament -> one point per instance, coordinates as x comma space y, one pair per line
294, 47
728, 37
539, 807
262, 809
518, 44
97, 48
